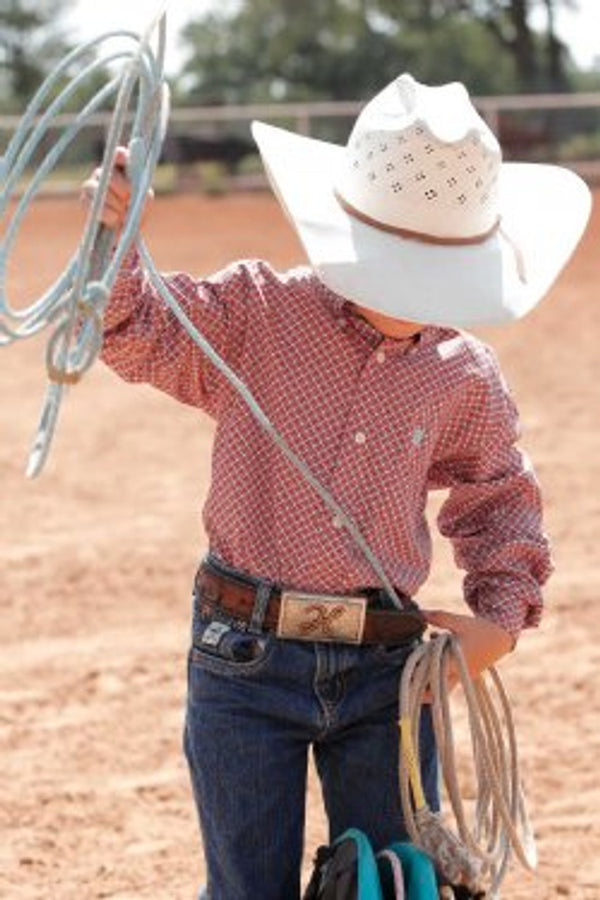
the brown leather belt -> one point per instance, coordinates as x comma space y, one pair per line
304, 616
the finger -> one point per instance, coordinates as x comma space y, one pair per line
121, 157
118, 181
114, 196
88, 189
91, 183
118, 192
114, 216
119, 185
112, 212
449, 621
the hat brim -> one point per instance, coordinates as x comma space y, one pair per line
543, 212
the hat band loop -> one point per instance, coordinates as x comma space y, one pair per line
414, 235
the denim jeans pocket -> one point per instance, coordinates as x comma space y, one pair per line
221, 647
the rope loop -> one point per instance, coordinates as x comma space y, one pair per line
70, 355
477, 851
73, 306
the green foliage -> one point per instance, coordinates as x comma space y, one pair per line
580, 146
270, 50
31, 42
460, 51
287, 51
586, 81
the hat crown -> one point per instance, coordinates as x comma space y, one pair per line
421, 160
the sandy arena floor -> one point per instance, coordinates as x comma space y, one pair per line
98, 554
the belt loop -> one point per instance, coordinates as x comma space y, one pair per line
259, 611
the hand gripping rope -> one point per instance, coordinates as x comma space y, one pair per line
72, 308
476, 857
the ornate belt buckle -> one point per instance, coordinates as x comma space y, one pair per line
318, 617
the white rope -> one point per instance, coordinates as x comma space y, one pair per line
475, 853
73, 306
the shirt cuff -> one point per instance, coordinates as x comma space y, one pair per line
126, 291
513, 608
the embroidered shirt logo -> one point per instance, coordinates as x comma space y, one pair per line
418, 436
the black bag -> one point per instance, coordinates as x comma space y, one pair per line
335, 871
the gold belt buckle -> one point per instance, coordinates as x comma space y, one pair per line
321, 617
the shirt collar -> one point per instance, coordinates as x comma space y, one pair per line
342, 308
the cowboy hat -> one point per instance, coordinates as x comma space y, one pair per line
417, 216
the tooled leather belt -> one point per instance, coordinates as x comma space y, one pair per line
298, 615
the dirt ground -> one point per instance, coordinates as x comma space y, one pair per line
97, 557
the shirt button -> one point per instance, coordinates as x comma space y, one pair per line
380, 356
360, 437
337, 522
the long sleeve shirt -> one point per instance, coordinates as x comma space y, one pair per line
379, 422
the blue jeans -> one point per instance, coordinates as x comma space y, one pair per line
256, 704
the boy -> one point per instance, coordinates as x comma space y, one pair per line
413, 230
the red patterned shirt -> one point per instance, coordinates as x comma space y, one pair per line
380, 423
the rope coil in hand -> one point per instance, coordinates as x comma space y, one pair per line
475, 856
72, 308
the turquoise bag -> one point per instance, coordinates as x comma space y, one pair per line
349, 870
418, 873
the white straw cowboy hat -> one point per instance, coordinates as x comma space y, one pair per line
419, 218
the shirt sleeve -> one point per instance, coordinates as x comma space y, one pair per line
145, 342
493, 513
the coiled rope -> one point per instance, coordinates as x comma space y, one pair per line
72, 308
476, 856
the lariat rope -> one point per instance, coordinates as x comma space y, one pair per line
475, 856
73, 309
74, 305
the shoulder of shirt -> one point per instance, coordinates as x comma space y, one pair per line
261, 269
275, 287
262, 273
465, 348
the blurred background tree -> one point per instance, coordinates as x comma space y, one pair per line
265, 50
254, 51
32, 41
540, 59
